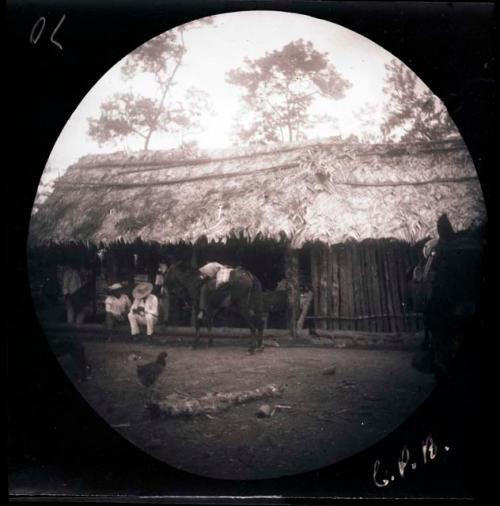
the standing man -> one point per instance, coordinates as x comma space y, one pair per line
71, 283
161, 292
144, 310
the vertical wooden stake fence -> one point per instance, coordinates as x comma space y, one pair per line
293, 289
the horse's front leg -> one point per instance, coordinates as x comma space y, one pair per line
211, 314
210, 324
197, 323
257, 320
427, 342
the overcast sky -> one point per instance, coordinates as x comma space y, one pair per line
211, 52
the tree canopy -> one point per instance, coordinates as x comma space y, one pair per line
413, 112
129, 114
279, 89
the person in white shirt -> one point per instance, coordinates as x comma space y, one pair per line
77, 289
117, 304
144, 310
71, 282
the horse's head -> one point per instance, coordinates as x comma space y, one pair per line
424, 270
454, 305
171, 276
418, 277
180, 277
457, 263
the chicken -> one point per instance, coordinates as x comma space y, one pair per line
149, 373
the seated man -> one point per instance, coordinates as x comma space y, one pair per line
213, 271
144, 310
117, 305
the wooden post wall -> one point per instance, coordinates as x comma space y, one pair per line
335, 287
315, 275
323, 288
293, 287
194, 263
361, 286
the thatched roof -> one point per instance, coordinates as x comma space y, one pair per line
329, 192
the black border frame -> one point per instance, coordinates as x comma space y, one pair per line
450, 45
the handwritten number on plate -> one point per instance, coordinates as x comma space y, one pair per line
55, 30
39, 27
36, 31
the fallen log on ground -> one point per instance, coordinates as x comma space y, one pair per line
178, 405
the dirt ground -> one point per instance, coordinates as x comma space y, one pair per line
332, 416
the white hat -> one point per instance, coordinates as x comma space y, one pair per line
142, 290
115, 286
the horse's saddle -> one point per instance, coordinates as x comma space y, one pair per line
223, 276
230, 276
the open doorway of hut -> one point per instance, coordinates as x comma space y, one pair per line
262, 257
130, 262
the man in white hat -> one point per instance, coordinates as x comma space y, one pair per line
117, 305
144, 310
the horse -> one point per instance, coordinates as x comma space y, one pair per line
242, 293
419, 278
453, 307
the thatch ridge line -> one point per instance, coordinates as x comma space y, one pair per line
162, 165
437, 180
85, 184
76, 185
391, 150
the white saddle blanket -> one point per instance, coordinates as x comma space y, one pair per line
222, 276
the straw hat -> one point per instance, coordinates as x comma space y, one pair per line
114, 287
142, 290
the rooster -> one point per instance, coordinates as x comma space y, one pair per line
149, 373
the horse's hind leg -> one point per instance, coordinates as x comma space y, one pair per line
197, 335
260, 345
253, 342
245, 313
259, 324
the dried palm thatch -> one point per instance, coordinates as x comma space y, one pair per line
329, 192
